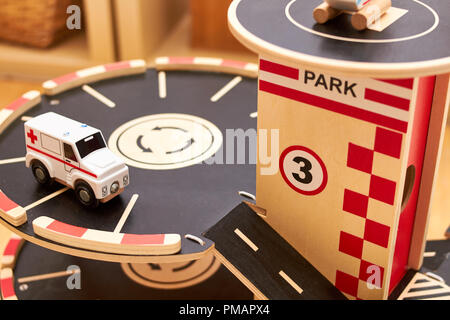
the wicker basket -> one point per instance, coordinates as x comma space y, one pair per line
38, 23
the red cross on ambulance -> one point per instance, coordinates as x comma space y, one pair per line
32, 136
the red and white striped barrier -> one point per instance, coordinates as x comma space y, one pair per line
18, 107
11, 211
207, 64
11, 251
89, 75
7, 284
111, 242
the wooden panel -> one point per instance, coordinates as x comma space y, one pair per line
142, 25
210, 26
100, 33
433, 152
413, 178
350, 224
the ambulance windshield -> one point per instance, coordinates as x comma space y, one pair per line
89, 144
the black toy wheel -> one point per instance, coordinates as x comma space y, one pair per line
85, 195
40, 173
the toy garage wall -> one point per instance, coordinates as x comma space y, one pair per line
351, 158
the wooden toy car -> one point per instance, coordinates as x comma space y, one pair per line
364, 12
76, 155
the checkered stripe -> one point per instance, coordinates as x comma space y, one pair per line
121, 243
11, 251
388, 143
208, 64
7, 284
18, 107
92, 74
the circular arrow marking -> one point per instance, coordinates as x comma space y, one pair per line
166, 141
173, 275
303, 170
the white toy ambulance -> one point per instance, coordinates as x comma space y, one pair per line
74, 154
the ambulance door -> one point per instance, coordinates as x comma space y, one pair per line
70, 159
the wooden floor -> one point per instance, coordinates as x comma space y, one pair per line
440, 216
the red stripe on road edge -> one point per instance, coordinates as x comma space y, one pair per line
17, 104
68, 229
65, 78
6, 204
234, 64
7, 288
182, 60
117, 66
142, 239
11, 247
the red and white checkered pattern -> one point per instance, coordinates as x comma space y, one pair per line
207, 64
11, 251
96, 73
7, 284
11, 211
122, 243
388, 143
18, 107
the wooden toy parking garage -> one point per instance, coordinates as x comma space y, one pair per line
360, 113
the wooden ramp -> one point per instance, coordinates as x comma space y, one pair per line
264, 261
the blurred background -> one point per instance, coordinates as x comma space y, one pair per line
36, 45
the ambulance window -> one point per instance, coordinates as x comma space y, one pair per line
90, 144
68, 152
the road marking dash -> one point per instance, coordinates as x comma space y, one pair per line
25, 118
429, 254
126, 213
97, 95
44, 199
254, 115
195, 238
246, 239
230, 85
290, 282
14, 160
162, 84
48, 276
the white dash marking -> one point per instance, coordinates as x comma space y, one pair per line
230, 85
195, 238
429, 254
247, 195
48, 276
97, 95
25, 118
162, 84
254, 115
126, 213
246, 239
291, 282
15, 160
44, 199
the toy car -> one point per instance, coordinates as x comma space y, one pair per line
74, 154
364, 12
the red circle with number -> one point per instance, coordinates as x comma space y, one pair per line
303, 170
